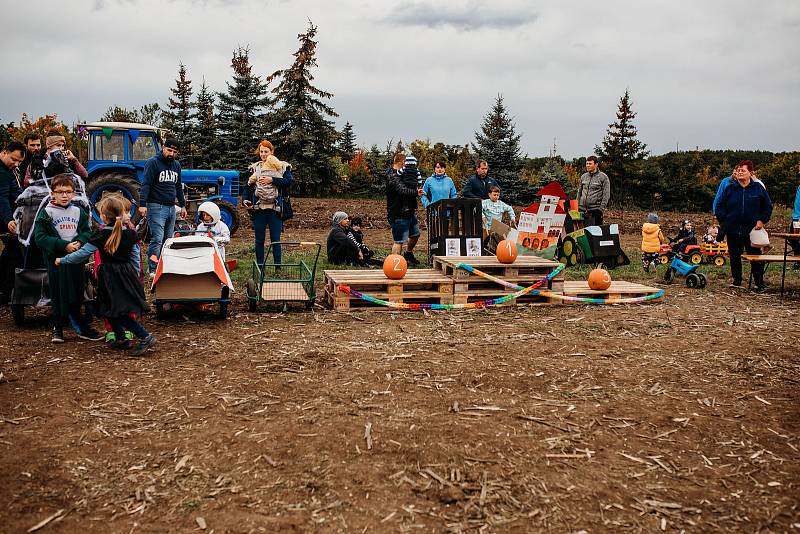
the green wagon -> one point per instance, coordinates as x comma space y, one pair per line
292, 280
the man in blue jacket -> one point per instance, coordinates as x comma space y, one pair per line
161, 187
479, 183
743, 206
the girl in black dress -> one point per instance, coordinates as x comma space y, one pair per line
119, 291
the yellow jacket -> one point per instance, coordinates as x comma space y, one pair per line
651, 237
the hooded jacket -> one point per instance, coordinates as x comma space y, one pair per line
401, 194
652, 237
340, 248
162, 182
437, 188
739, 207
218, 229
796, 211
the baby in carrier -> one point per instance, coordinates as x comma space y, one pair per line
267, 194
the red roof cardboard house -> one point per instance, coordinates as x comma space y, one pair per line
542, 223
190, 268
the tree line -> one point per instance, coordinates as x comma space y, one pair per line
221, 130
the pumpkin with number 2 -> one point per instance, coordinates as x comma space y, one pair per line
395, 266
506, 251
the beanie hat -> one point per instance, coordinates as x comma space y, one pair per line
339, 216
52, 140
172, 142
652, 218
411, 161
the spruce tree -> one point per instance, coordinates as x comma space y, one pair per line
241, 121
179, 117
301, 128
498, 143
622, 153
347, 142
206, 129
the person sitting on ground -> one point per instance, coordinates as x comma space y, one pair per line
355, 234
652, 237
342, 249
685, 237
211, 222
711, 235
494, 208
62, 227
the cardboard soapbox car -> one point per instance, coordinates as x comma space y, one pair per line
191, 271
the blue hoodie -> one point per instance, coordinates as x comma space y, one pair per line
436, 188
161, 183
739, 207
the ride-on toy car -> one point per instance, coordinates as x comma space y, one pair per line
117, 152
678, 266
590, 244
191, 272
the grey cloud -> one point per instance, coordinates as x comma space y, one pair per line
470, 16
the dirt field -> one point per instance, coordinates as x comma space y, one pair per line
675, 416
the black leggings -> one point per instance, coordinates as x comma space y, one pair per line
737, 244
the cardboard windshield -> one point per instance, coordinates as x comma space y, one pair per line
190, 267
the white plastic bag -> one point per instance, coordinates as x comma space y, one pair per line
759, 237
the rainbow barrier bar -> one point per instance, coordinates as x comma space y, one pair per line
494, 302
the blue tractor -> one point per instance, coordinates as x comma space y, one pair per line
117, 154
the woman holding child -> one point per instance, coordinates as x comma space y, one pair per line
265, 197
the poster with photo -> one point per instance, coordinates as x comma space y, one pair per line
453, 246
473, 246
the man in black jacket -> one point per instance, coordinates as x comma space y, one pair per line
402, 192
342, 249
33, 144
479, 183
10, 158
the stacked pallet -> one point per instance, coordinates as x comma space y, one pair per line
418, 286
619, 290
525, 271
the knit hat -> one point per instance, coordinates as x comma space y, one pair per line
652, 218
52, 140
410, 161
339, 216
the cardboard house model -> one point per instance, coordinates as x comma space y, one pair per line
541, 224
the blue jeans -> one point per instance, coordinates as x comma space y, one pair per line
261, 220
161, 222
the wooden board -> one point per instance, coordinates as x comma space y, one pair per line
618, 289
417, 286
525, 268
769, 258
278, 291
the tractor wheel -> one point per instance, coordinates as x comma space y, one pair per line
18, 314
664, 259
127, 184
696, 258
692, 281
228, 214
669, 276
567, 252
703, 280
719, 260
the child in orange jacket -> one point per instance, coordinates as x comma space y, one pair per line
652, 237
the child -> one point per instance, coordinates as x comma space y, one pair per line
266, 194
494, 208
651, 242
211, 222
62, 227
357, 236
711, 234
685, 237
119, 292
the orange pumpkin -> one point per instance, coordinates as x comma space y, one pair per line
395, 266
599, 279
506, 251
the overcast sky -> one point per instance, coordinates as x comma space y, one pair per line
707, 73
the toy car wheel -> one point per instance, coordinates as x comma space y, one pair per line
664, 259
719, 260
223, 310
692, 281
703, 280
159, 310
696, 258
18, 314
669, 276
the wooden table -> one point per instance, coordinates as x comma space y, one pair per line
786, 238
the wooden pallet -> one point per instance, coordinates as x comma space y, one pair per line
418, 286
525, 268
618, 289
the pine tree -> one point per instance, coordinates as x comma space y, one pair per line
347, 142
241, 122
179, 117
622, 153
206, 129
301, 129
498, 144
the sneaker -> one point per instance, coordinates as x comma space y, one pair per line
111, 337
736, 285
129, 335
124, 344
143, 345
58, 335
90, 334
409, 256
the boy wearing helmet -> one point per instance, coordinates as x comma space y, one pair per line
210, 222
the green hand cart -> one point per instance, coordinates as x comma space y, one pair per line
292, 280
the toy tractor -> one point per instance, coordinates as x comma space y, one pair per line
590, 244
678, 266
117, 152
